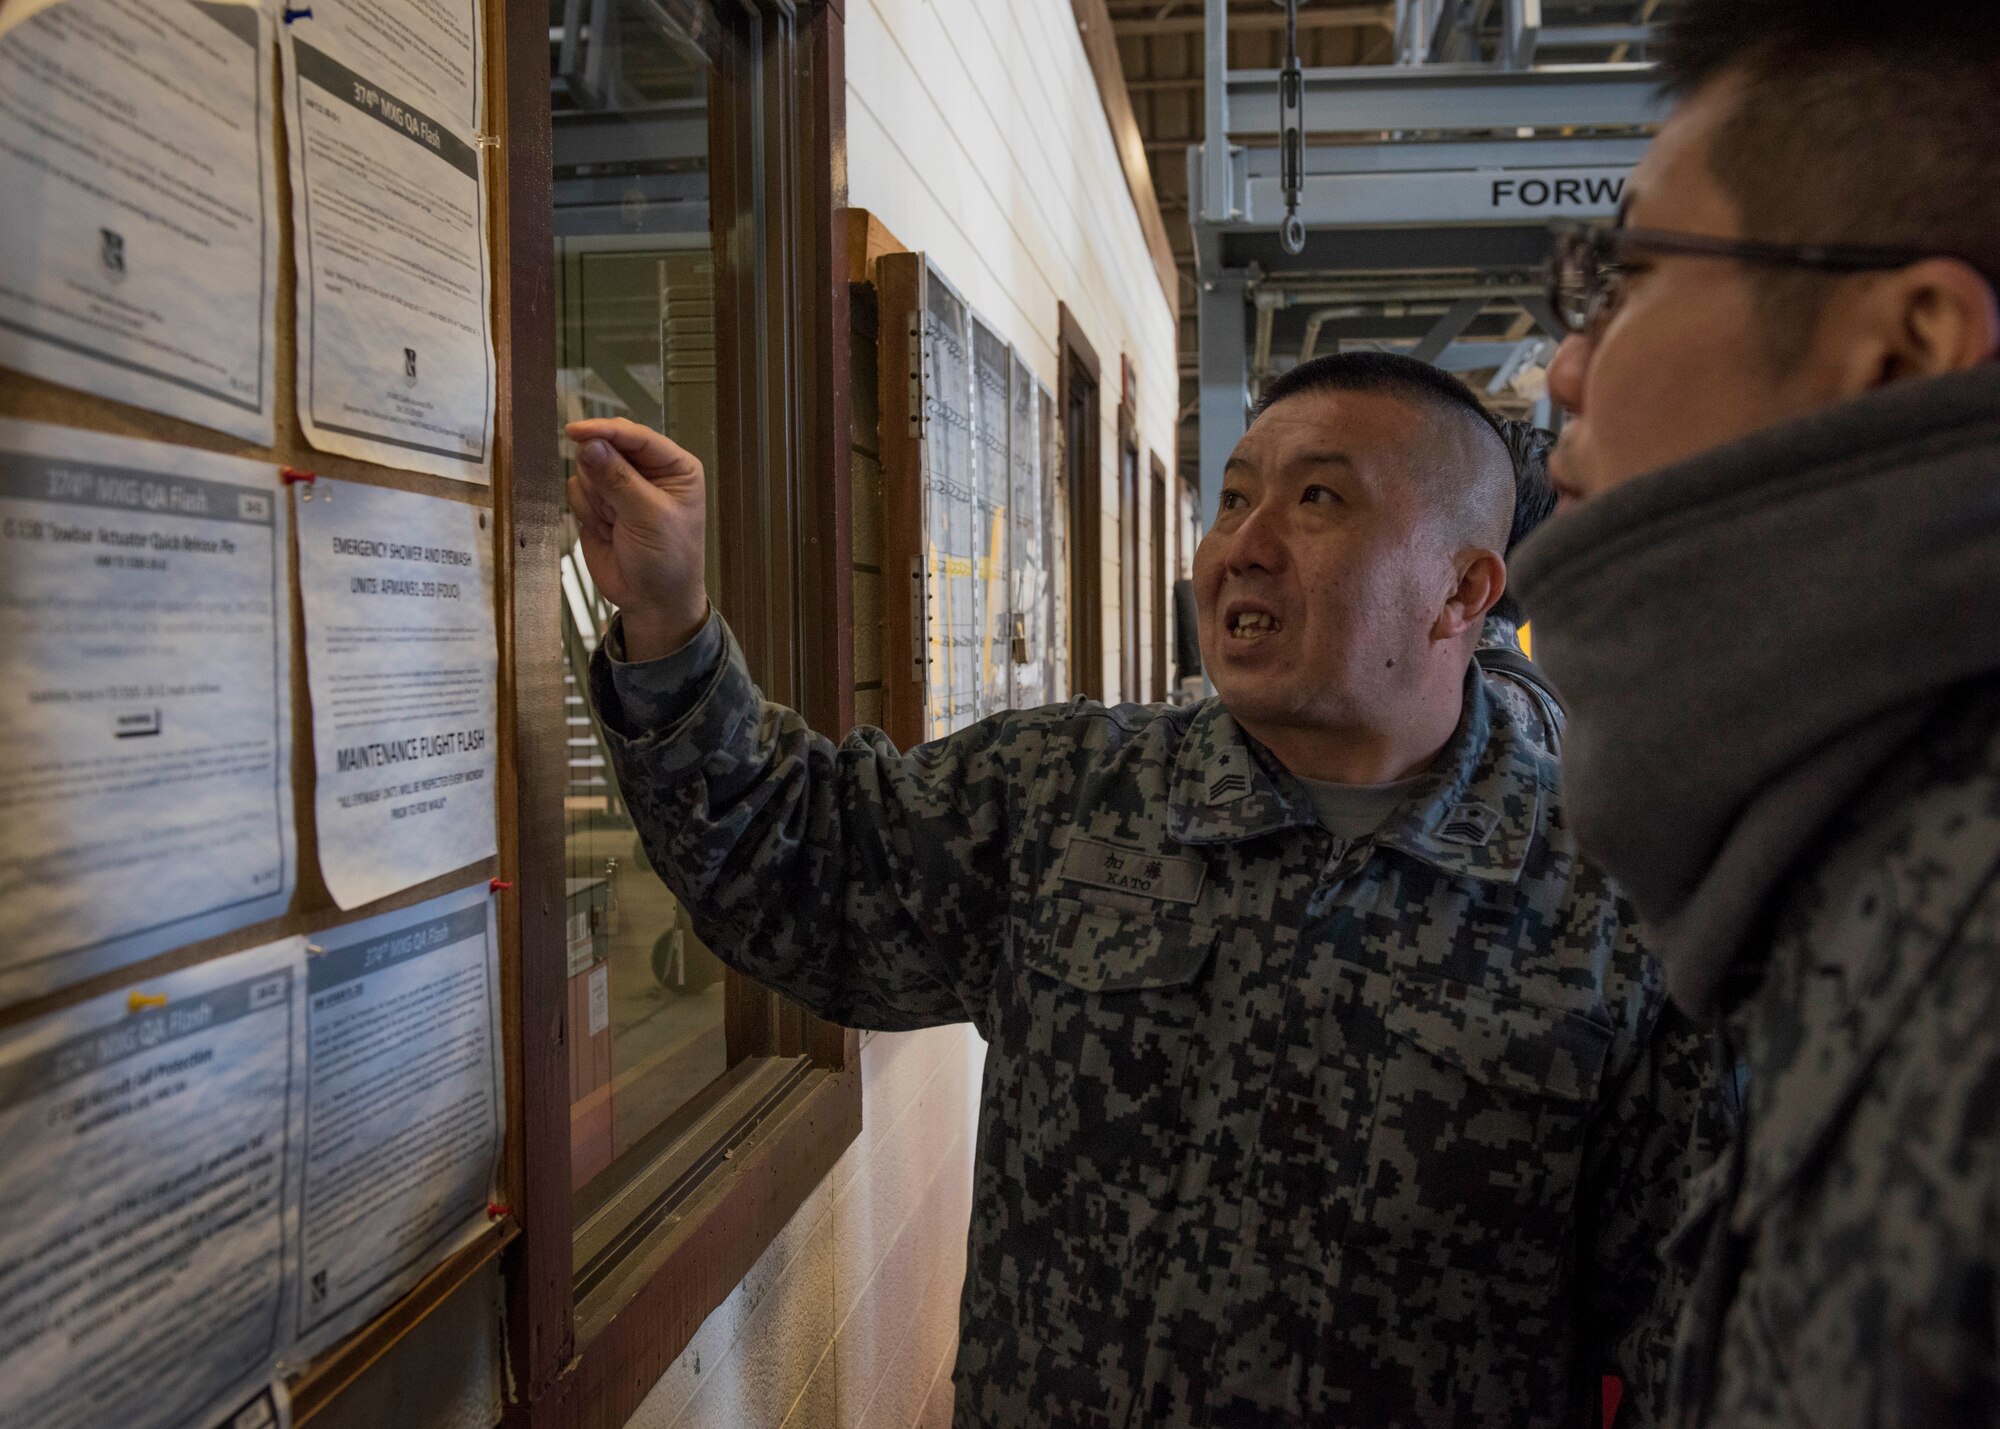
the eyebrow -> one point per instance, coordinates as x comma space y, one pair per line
1309, 459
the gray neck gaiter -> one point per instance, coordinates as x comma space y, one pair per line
1746, 637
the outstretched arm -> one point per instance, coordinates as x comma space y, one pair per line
869, 884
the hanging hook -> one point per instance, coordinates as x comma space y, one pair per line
1291, 133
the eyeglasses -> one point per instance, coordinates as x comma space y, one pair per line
1587, 266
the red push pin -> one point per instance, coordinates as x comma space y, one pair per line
498, 885
496, 1209
292, 476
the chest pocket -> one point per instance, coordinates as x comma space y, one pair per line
1111, 999
1109, 950
1479, 1128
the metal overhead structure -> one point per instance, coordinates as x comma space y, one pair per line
629, 112
1417, 194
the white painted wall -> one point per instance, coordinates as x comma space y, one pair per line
975, 133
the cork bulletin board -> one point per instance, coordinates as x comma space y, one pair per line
313, 912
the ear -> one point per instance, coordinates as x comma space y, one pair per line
1482, 580
1926, 320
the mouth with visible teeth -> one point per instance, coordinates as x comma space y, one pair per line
1254, 625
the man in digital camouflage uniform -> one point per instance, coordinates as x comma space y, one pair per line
1325, 1085
1775, 617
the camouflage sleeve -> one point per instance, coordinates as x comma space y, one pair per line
1662, 1126
653, 694
869, 885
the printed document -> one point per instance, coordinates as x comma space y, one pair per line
145, 701
142, 1253
395, 341
139, 232
427, 52
401, 664
403, 1106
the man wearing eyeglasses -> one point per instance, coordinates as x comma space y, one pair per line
1775, 615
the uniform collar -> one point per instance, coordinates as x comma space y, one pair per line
1474, 815
1227, 787
1500, 633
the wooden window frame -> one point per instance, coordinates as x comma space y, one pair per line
1130, 642
1077, 362
1159, 497
774, 1130
780, 1127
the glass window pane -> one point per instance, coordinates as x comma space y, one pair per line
991, 370
637, 286
1027, 556
954, 534
1055, 496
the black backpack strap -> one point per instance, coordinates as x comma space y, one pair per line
1498, 660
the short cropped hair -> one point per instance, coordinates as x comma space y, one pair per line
1857, 122
1534, 494
1416, 382
1375, 372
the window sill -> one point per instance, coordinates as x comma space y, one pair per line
658, 1193
643, 1303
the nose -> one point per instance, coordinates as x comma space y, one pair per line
1258, 542
1568, 371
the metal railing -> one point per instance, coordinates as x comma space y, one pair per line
586, 616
